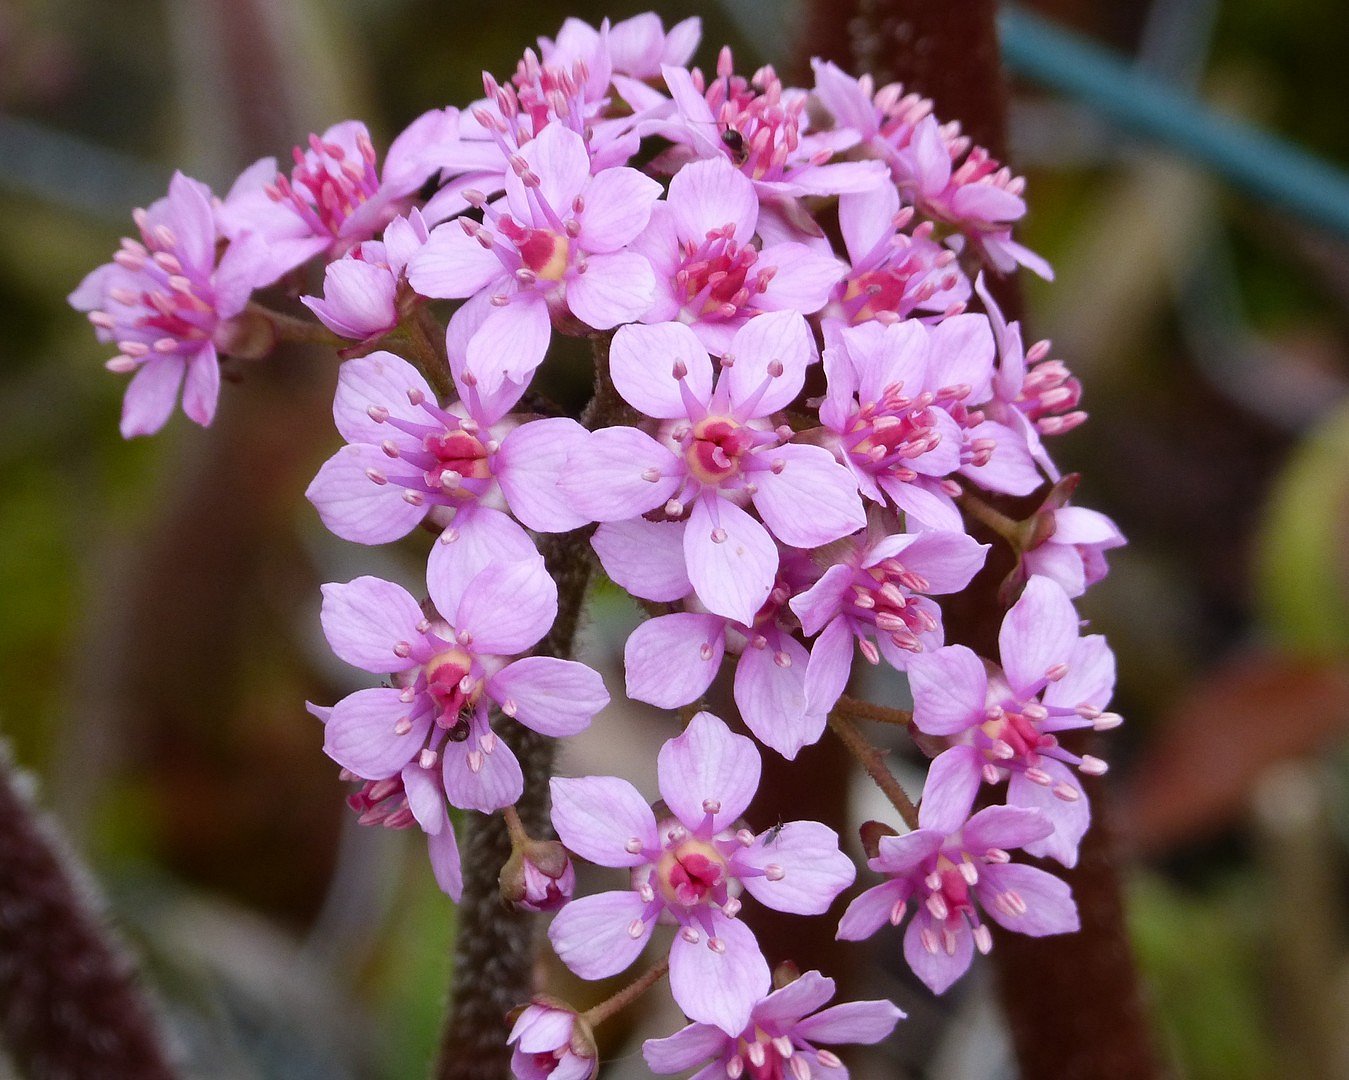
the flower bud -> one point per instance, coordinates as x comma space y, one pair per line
550, 1036
871, 833
538, 876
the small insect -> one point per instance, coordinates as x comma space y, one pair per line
735, 143
771, 836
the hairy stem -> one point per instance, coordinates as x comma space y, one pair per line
627, 995
866, 710
70, 1005
495, 946
872, 759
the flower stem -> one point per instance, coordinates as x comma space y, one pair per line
866, 710
627, 995
872, 760
290, 329
1009, 529
514, 826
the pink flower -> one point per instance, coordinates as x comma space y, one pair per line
552, 1043
779, 1042
361, 290
1005, 723
335, 197
876, 593
1074, 554
902, 407
688, 868
894, 272
717, 452
558, 246
448, 669
761, 128
637, 47
953, 868
408, 458
166, 303
708, 274
672, 659
413, 797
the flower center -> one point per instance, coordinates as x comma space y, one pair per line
327, 186
459, 455
544, 252
883, 595
692, 872
719, 277
887, 433
450, 682
715, 446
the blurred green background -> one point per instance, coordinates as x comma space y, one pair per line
158, 599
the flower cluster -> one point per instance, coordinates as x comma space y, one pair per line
811, 428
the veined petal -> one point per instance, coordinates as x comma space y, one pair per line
1049, 902
708, 771
685, 1049
1039, 632
644, 557
770, 692
453, 265
593, 935
953, 781
618, 205
477, 780
508, 607
936, 967
511, 342
777, 341
362, 733
367, 619
553, 697
709, 194
355, 507
810, 499
602, 818
731, 559
805, 868
528, 467
616, 288
719, 985
864, 1022
642, 361
478, 538
381, 381
672, 659
949, 686
620, 473
869, 911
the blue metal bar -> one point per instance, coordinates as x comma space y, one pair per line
1260, 164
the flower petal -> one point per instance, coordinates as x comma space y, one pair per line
644, 557
864, 1022
452, 264
478, 538
618, 205
381, 381
615, 288
508, 607
360, 734
770, 692
777, 338
1050, 908
709, 194
869, 911
685, 1049
496, 781
366, 619
1039, 632
355, 507
553, 697
528, 467
731, 559
642, 360
601, 818
949, 686
953, 781
592, 935
672, 659
937, 968
719, 986
811, 870
708, 771
606, 477
511, 342
807, 498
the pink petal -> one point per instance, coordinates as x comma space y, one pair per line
453, 265
1071, 817
419, 150
772, 698
190, 216
798, 998
824, 600
671, 660
948, 686
1078, 525
708, 770
541, 1029
960, 350
931, 158
813, 871
988, 203
937, 970
1049, 902
803, 281
353, 506
497, 782
618, 205
866, 218
366, 619
1090, 679
606, 478
830, 666
899, 855
869, 911
864, 1022
722, 986
554, 697
777, 338
927, 508
592, 936
838, 178
151, 396
601, 818
952, 783
1011, 469
426, 797
511, 342
507, 608
685, 1049
559, 158
642, 361
811, 500
731, 559
528, 467
946, 560
706, 195
444, 852
357, 301
644, 557
384, 381
615, 288
479, 538
360, 734
1039, 632
1004, 827
201, 387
